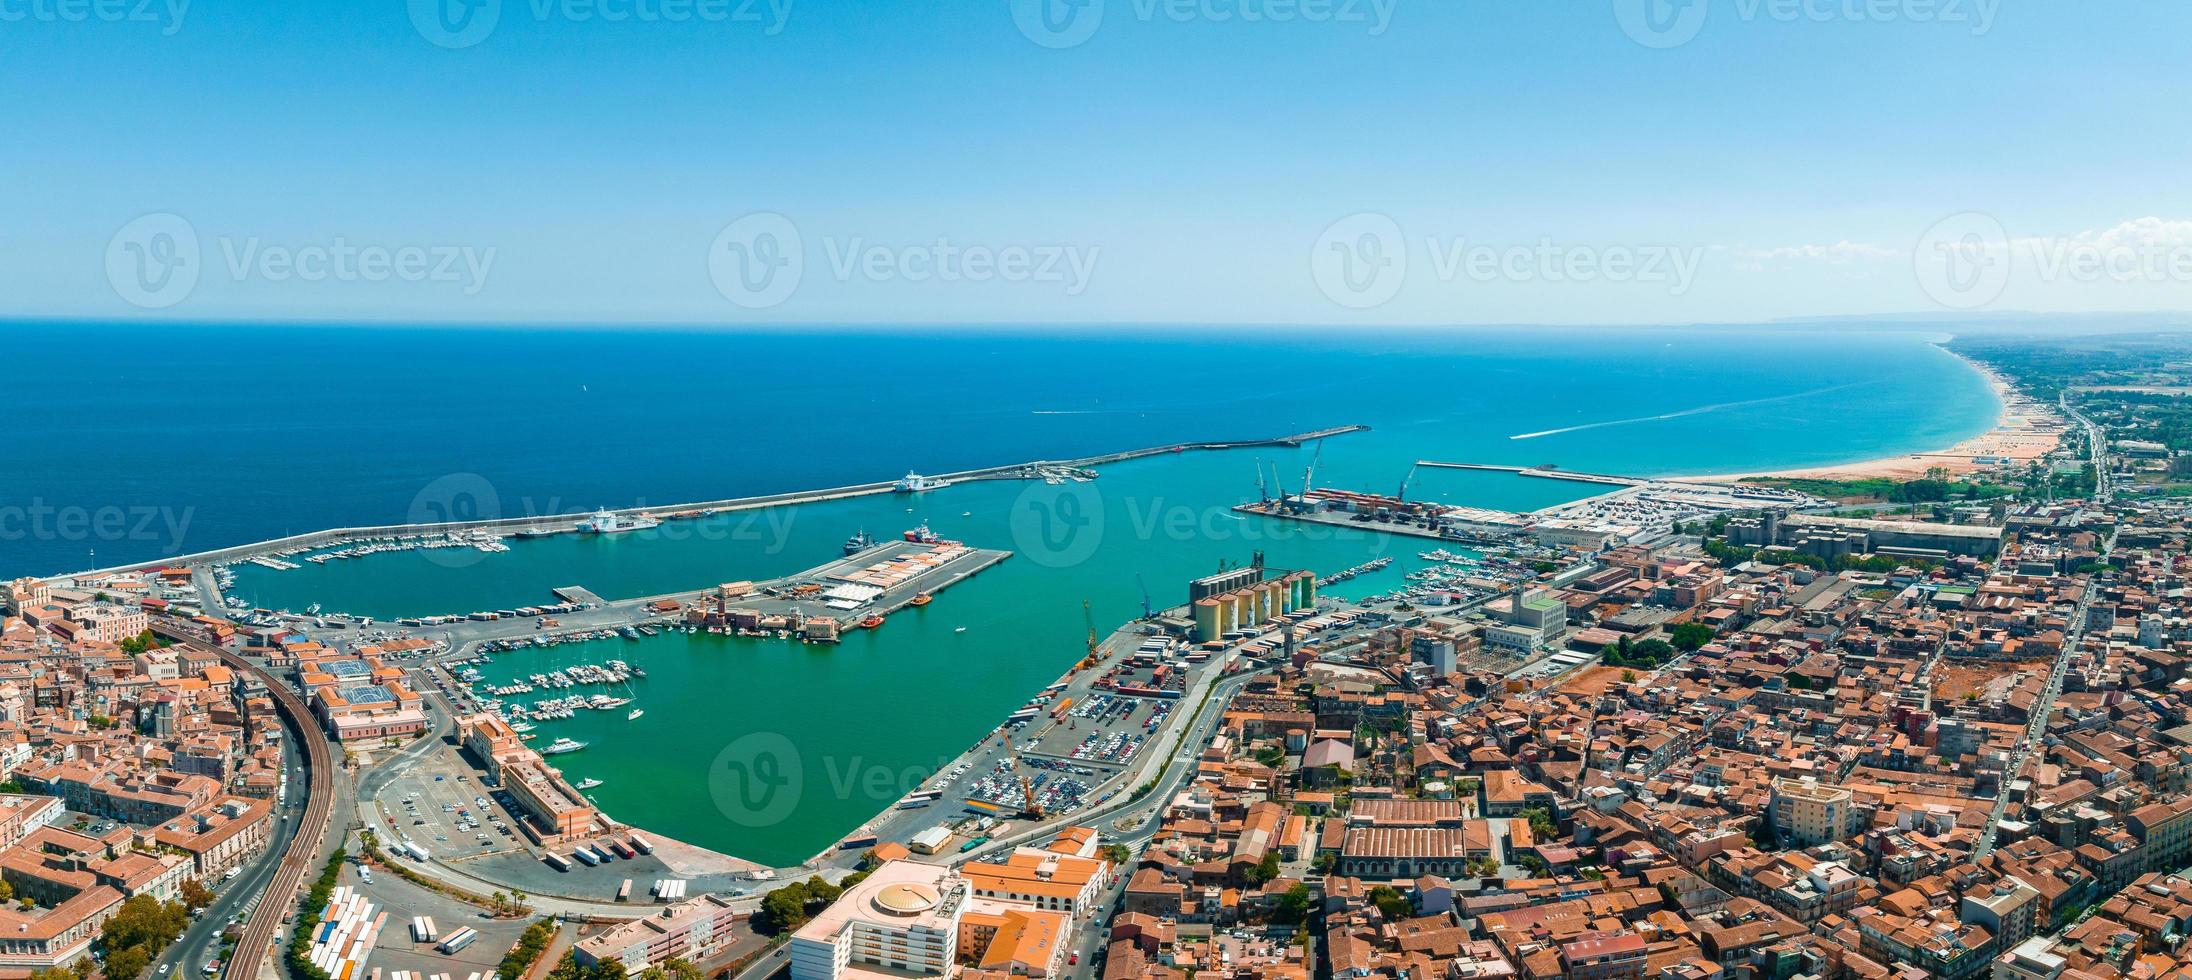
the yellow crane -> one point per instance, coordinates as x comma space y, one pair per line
1088, 618
1029, 808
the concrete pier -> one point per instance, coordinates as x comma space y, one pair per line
567, 522
1540, 472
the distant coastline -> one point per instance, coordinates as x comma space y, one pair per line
2024, 430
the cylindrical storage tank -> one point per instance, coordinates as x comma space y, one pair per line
1304, 586
1244, 608
1228, 617
1274, 599
1310, 586
1206, 620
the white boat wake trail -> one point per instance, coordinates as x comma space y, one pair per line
1700, 410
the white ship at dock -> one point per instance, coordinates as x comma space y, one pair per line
916, 483
606, 522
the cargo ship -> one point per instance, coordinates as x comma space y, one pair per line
922, 535
605, 522
916, 483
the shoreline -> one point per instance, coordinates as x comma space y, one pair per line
2023, 432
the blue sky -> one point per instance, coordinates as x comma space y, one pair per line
1396, 161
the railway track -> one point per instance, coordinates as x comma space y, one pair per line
304, 848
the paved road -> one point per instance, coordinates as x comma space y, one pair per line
199, 943
2036, 728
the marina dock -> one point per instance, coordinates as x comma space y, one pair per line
819, 603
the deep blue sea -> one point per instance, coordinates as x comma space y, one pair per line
131, 441
142, 441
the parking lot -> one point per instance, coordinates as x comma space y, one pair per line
402, 901
445, 808
1104, 729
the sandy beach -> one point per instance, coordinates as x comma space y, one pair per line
2023, 431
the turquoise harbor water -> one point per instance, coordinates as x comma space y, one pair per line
317, 428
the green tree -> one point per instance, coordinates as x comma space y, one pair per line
1264, 870
1292, 906
1395, 905
1690, 636
1541, 823
127, 963
530, 945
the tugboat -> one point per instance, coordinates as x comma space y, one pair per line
871, 621
858, 543
922, 599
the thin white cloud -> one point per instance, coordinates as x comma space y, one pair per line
1841, 251
2138, 233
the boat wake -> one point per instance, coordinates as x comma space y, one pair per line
1700, 410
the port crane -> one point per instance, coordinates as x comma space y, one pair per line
1263, 492
1088, 619
1147, 612
1402, 495
1029, 809
1309, 476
